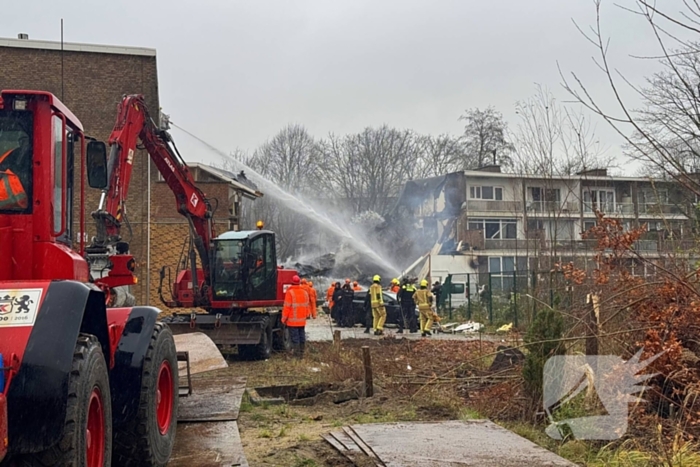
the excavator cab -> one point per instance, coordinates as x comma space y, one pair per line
245, 266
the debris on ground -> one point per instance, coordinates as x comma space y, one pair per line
469, 326
440, 443
505, 328
507, 357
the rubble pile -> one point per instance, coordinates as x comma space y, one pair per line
339, 266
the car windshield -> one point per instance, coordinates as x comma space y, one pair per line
16, 161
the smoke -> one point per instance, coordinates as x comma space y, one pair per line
353, 243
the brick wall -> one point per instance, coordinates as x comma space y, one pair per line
93, 84
169, 230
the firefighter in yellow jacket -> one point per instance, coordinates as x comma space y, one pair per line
377, 303
424, 299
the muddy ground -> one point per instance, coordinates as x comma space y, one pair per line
413, 381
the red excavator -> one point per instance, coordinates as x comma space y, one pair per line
81, 383
234, 277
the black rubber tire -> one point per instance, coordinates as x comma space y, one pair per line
89, 370
263, 349
282, 341
139, 442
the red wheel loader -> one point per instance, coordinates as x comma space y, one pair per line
81, 384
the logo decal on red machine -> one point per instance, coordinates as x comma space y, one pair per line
194, 200
18, 307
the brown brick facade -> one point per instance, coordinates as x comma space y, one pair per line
93, 84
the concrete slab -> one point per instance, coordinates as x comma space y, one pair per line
209, 444
454, 443
204, 354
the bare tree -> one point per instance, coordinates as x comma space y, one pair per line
290, 160
438, 155
664, 133
485, 138
368, 169
551, 140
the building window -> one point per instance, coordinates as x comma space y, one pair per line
501, 270
601, 200
534, 224
495, 228
588, 225
57, 126
486, 192
543, 199
654, 197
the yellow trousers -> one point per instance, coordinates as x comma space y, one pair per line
426, 319
378, 318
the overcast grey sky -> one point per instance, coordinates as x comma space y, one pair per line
235, 72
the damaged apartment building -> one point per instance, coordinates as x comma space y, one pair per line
484, 221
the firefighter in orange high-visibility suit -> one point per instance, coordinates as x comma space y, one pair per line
329, 296
307, 286
313, 299
294, 315
16, 176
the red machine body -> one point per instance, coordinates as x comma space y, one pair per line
48, 308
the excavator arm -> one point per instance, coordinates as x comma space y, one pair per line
133, 124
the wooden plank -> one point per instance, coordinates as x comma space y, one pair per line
358, 441
204, 355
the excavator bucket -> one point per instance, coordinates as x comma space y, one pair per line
201, 354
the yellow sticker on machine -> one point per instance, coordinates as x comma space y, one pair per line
18, 307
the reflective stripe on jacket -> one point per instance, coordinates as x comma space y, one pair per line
12, 194
375, 292
423, 298
296, 307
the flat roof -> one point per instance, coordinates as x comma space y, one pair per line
240, 235
77, 47
246, 190
583, 177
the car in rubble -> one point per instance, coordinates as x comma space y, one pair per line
393, 309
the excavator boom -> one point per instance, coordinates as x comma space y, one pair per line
134, 123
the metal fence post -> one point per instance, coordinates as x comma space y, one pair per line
515, 299
533, 293
469, 297
490, 304
551, 291
449, 299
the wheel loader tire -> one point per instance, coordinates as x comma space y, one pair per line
263, 349
282, 341
148, 439
86, 440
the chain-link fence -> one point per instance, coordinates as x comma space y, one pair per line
502, 298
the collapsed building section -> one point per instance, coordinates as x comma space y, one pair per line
503, 226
